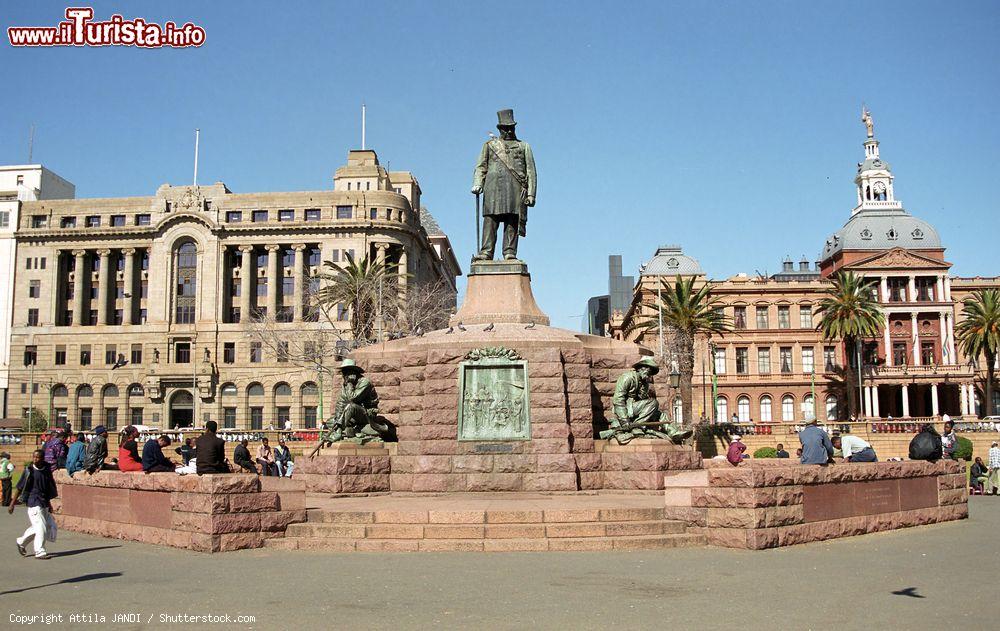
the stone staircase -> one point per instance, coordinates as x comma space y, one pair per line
486, 530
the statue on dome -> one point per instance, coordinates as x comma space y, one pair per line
866, 118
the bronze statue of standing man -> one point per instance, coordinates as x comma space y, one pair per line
505, 175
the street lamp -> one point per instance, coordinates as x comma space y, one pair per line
675, 378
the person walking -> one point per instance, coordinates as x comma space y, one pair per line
6, 473
39, 487
993, 468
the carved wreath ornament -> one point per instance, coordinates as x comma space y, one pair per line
492, 352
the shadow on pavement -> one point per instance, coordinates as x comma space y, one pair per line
75, 579
69, 553
909, 591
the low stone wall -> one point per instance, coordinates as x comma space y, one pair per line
766, 504
642, 464
347, 468
211, 513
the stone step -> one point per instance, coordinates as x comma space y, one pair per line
486, 516
403, 531
642, 542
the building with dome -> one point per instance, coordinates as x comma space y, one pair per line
776, 367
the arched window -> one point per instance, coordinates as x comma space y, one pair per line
282, 390
309, 389
765, 409
743, 408
787, 408
808, 407
721, 410
186, 282
678, 410
136, 390
60, 391
831, 408
229, 390
110, 391
84, 391
255, 390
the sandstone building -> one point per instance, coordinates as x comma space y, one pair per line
135, 310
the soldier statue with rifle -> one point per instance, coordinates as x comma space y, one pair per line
636, 410
355, 418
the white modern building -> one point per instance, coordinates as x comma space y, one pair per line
18, 183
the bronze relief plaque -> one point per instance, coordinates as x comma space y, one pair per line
494, 402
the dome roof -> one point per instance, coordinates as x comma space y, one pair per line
670, 260
877, 229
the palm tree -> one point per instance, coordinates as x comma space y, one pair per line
361, 287
979, 333
850, 312
686, 313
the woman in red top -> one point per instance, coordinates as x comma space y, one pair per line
128, 451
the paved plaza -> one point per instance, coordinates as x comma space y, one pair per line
915, 578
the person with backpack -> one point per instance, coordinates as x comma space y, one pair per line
39, 488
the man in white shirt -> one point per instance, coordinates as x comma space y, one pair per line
993, 466
854, 449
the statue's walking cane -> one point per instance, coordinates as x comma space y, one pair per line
478, 244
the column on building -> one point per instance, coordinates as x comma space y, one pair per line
943, 331
884, 287
868, 401
915, 339
971, 397
934, 399
939, 289
403, 270
300, 297
875, 410
963, 396
950, 329
911, 289
80, 257
273, 279
245, 280
947, 289
906, 400
129, 285
887, 343
104, 280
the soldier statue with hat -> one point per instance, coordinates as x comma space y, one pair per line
356, 415
505, 176
636, 410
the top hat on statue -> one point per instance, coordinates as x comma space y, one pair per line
505, 118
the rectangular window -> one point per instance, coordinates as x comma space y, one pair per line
32, 317
256, 418
309, 416
117, 221
144, 290
785, 357
805, 317
135, 416
110, 354
182, 353
30, 355
85, 355
897, 289
68, 317
144, 261
927, 357
229, 353
345, 212
740, 317
86, 418
94, 221
234, 315
808, 360
4, 219
829, 358
60, 355
373, 213
92, 317
185, 314
143, 219
784, 318
42, 266
742, 361
234, 216
312, 214
284, 314
34, 288
38, 221
229, 418
283, 414
142, 316
27, 263
286, 215
261, 287
342, 312
136, 354
67, 222
349, 254
335, 256
288, 286
111, 418
119, 290
282, 352
720, 361
314, 257
762, 322
899, 353
259, 216
255, 353
764, 361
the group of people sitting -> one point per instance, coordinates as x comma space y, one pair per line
984, 479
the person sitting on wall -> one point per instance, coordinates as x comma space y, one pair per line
780, 453
926, 445
153, 460
816, 445
97, 451
283, 459
76, 453
186, 451
265, 458
128, 451
949, 440
241, 456
211, 451
55, 450
735, 452
978, 474
854, 449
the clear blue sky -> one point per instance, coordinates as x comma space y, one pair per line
731, 128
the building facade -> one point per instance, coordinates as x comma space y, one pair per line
776, 367
143, 310
18, 183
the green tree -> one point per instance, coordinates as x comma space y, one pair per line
978, 333
36, 421
686, 313
362, 287
850, 312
